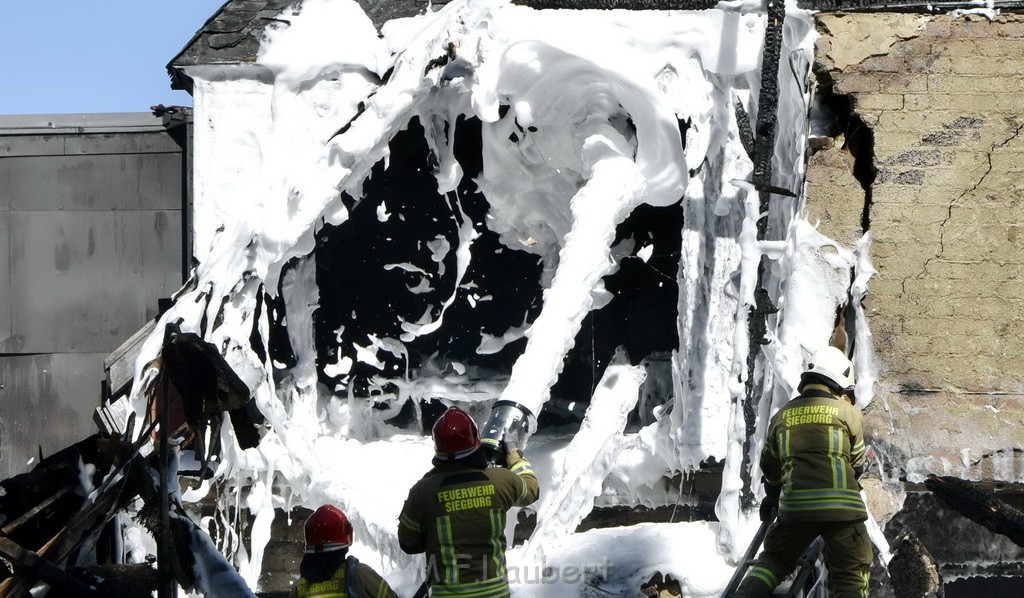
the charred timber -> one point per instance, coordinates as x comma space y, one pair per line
978, 506
912, 569
764, 149
743, 125
29, 566
206, 384
768, 104
39, 505
51, 522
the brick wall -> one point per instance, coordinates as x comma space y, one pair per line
944, 99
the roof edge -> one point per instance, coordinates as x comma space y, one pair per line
36, 124
178, 80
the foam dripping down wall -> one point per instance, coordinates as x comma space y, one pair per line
575, 136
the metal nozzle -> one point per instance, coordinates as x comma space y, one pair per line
510, 423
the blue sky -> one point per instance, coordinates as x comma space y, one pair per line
71, 56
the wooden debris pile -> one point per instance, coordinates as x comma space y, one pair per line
58, 515
62, 522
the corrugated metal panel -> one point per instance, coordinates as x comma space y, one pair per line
93, 182
47, 401
86, 281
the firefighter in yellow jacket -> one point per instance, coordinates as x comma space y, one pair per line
326, 569
456, 512
812, 457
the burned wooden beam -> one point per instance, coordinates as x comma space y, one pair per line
48, 520
764, 150
120, 364
206, 383
980, 507
768, 103
50, 486
202, 377
31, 513
28, 566
89, 521
912, 570
47, 549
743, 126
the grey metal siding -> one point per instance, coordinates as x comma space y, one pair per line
47, 403
92, 182
6, 282
92, 225
85, 281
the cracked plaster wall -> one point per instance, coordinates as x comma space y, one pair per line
944, 97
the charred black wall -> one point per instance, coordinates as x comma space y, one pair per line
358, 295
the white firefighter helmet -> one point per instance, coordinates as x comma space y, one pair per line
832, 364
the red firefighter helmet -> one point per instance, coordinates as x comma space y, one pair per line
455, 435
327, 529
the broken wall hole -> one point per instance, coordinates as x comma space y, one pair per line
832, 115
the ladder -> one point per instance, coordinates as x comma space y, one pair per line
808, 577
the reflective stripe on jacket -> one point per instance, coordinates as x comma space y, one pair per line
354, 579
456, 515
813, 446
335, 587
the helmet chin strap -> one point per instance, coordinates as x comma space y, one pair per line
325, 548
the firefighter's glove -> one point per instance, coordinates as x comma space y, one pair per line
770, 502
512, 456
509, 445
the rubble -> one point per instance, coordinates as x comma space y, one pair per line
54, 513
56, 516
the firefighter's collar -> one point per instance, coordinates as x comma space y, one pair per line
819, 390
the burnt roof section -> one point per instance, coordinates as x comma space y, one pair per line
232, 35
620, 4
913, 6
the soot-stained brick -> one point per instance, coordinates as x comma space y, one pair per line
966, 122
915, 158
907, 177
944, 138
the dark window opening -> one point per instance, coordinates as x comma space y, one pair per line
362, 293
359, 296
